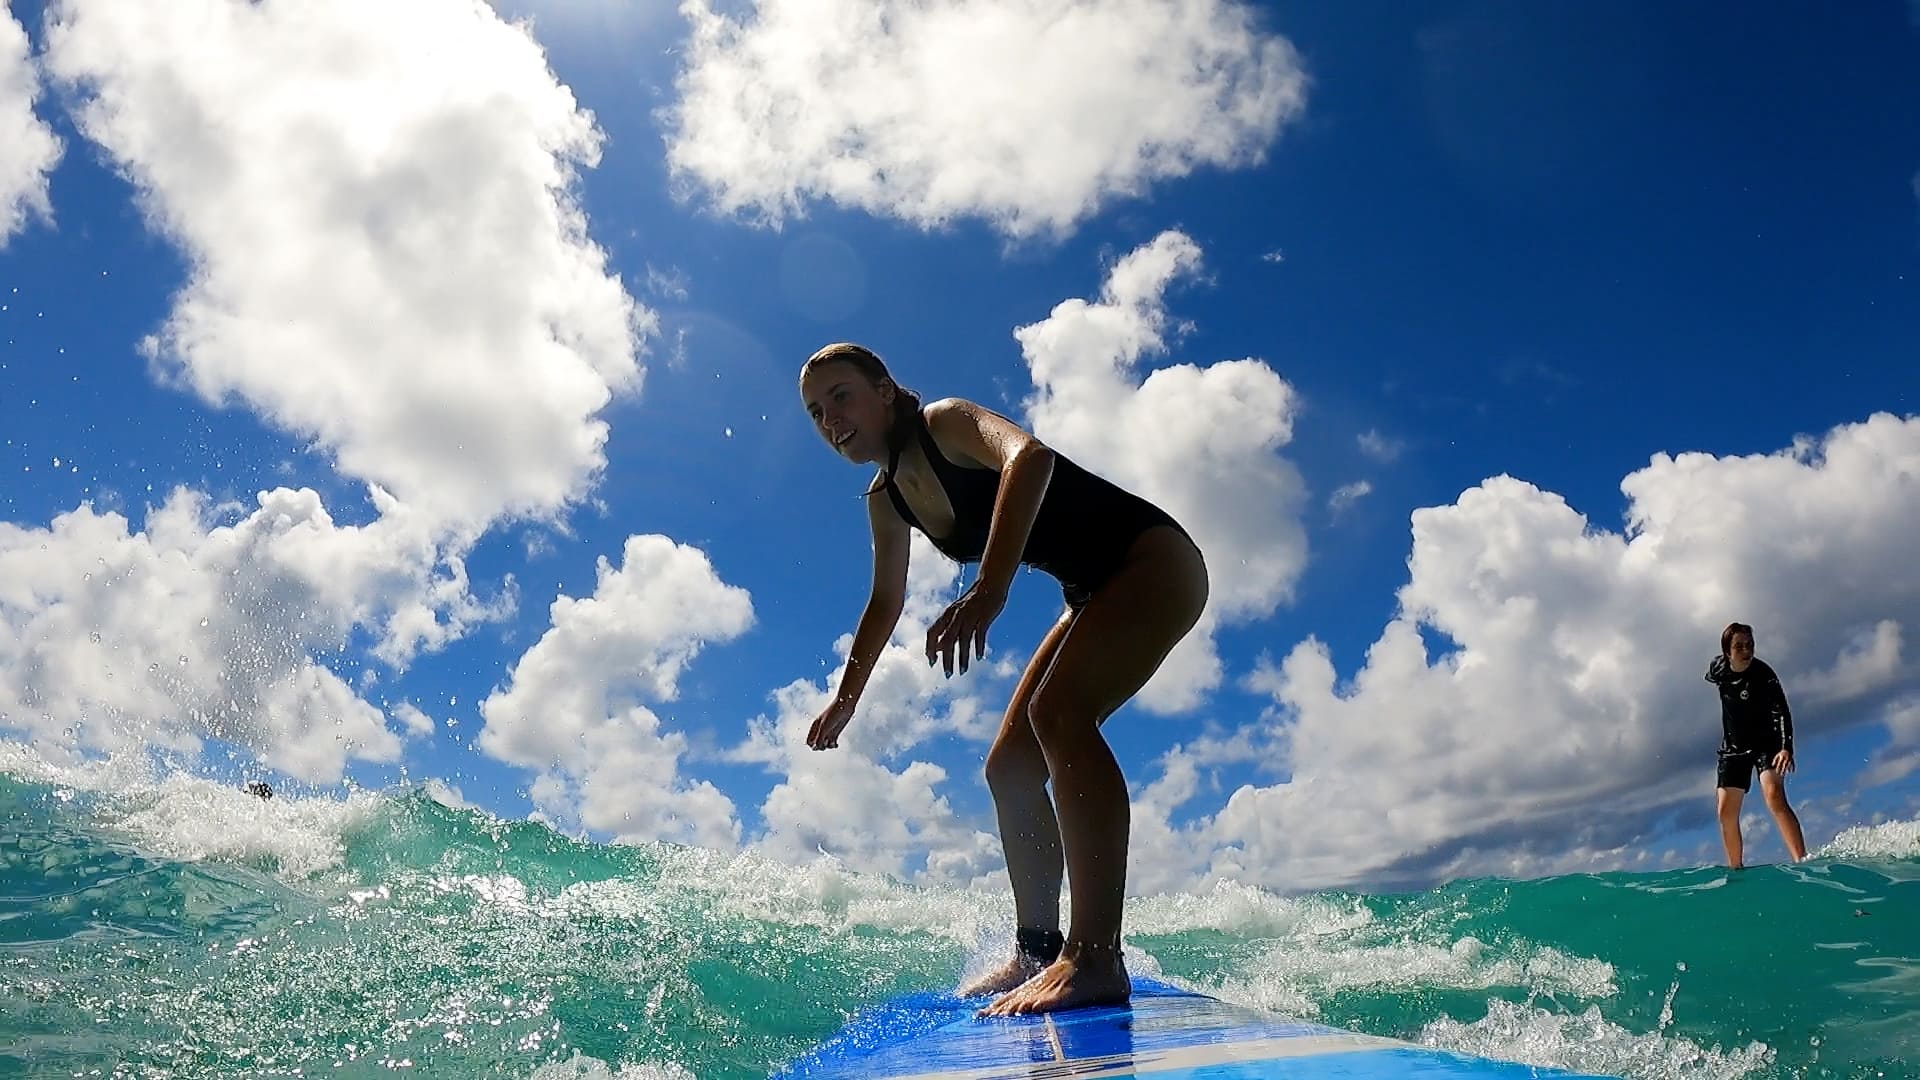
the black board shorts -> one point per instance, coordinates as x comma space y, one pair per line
1736, 769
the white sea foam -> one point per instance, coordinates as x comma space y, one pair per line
183, 817
826, 895
1888, 840
1246, 912
1294, 975
1588, 1042
582, 1067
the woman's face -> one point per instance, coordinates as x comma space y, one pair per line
1740, 651
848, 410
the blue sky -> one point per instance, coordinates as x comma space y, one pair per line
1498, 353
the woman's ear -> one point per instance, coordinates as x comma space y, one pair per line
886, 388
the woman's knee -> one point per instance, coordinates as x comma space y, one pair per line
1054, 714
1015, 764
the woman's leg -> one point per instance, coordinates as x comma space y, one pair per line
1727, 803
1029, 833
1774, 790
1109, 651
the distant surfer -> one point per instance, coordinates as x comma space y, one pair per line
984, 490
259, 788
1756, 734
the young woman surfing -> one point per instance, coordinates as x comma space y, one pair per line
984, 490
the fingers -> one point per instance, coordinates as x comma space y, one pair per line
938, 631
957, 638
827, 738
825, 732
940, 638
956, 644
972, 643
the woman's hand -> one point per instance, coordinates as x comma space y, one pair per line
962, 628
826, 729
1783, 762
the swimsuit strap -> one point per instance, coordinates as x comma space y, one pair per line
892, 489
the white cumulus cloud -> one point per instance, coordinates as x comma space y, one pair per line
1567, 714
387, 255
1201, 442
28, 147
847, 803
578, 709
1031, 114
210, 624
1900, 757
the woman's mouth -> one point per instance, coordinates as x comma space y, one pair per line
841, 440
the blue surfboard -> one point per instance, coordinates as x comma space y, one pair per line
1164, 1032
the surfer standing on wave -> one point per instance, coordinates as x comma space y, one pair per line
984, 490
1756, 733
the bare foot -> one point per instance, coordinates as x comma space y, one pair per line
1005, 977
1081, 977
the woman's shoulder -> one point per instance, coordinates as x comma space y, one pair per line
947, 408
964, 431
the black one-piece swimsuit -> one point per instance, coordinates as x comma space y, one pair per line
1081, 536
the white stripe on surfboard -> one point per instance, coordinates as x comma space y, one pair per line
1053, 1040
1144, 1063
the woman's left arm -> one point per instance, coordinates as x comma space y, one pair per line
1783, 724
1025, 465
1783, 714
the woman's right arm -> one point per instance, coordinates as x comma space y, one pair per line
891, 542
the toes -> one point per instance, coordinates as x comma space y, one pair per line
1017, 1003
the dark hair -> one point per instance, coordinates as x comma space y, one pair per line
1726, 636
906, 403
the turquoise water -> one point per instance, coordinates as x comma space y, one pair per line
179, 928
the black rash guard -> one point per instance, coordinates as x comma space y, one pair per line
1081, 535
1754, 718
